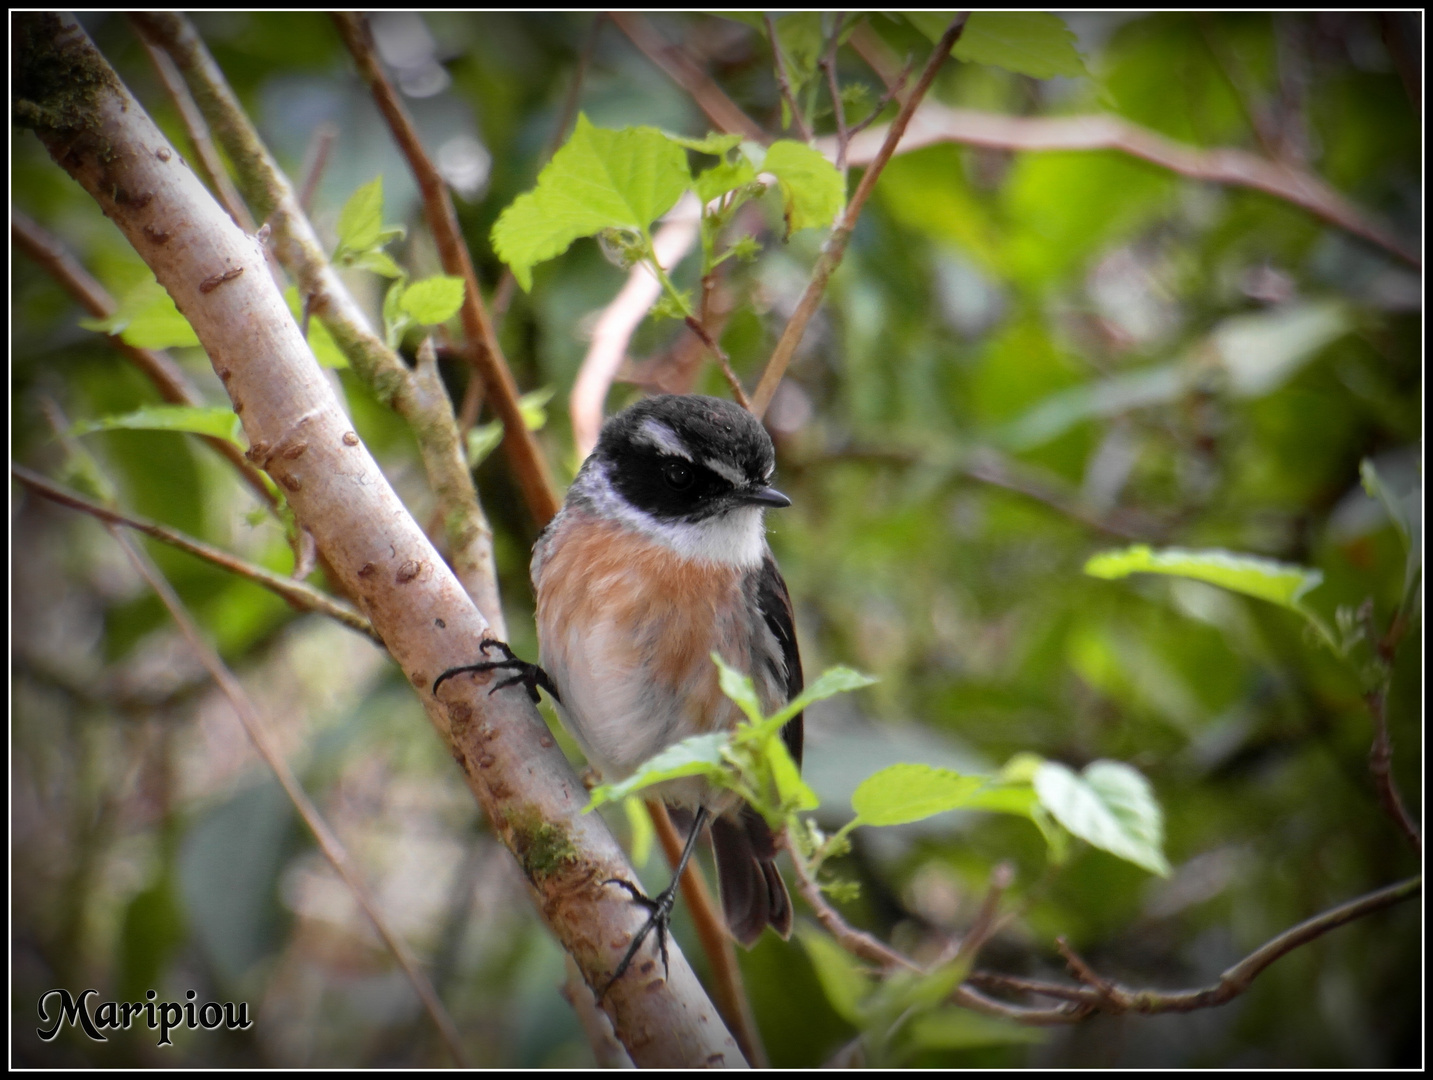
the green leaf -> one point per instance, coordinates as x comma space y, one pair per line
723, 177
739, 688
833, 681
360, 222
909, 792
147, 319
325, 349
813, 191
599, 179
643, 831
483, 439
1280, 583
846, 988
792, 792
433, 300
700, 755
533, 406
197, 420
1033, 43
379, 262
1109, 805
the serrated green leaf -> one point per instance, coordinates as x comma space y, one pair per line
700, 755
147, 319
360, 222
325, 349
1279, 583
846, 988
1109, 805
433, 300
813, 191
723, 177
197, 420
1033, 43
599, 179
908, 792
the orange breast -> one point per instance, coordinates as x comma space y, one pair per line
627, 628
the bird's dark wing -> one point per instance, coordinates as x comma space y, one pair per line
774, 601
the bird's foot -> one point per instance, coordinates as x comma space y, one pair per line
659, 918
529, 675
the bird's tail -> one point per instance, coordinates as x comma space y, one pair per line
753, 896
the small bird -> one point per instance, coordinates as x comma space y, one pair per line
657, 559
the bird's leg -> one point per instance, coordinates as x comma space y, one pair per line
530, 675
660, 907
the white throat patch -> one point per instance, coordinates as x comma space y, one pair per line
735, 538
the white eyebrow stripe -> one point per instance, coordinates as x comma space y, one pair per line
655, 433
725, 471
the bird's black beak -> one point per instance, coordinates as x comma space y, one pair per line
764, 496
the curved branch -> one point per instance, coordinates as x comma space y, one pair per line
937, 123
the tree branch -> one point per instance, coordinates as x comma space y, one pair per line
429, 415
526, 459
102, 137
299, 595
835, 247
937, 123
167, 376
672, 59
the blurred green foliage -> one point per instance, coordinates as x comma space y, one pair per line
1025, 359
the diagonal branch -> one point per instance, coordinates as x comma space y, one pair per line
835, 247
167, 376
672, 59
429, 415
301, 596
486, 354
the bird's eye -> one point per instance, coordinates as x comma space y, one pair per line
678, 475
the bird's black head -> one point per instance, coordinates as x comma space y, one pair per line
689, 457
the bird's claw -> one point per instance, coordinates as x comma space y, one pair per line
660, 908
530, 675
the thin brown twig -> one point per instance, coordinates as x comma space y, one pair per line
679, 67
856, 942
299, 595
530, 467
986, 919
327, 840
783, 80
168, 377
315, 161
722, 359
835, 248
728, 993
1380, 764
